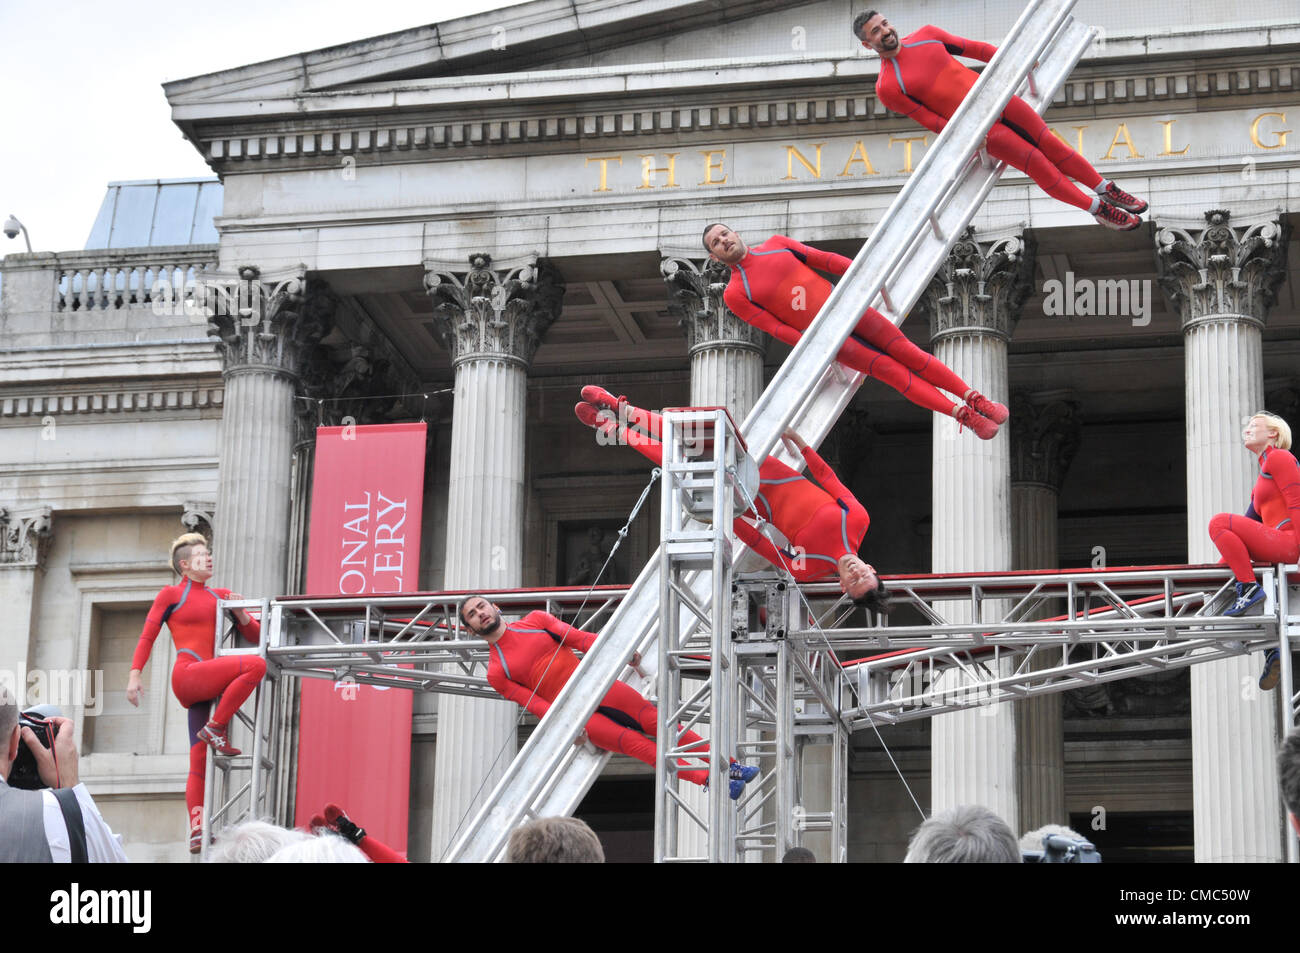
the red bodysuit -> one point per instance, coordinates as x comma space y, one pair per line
533, 660
925, 83
774, 288
190, 611
821, 524
1275, 536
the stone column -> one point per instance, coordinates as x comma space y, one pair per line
492, 319
1044, 439
266, 329
974, 301
726, 353
1222, 277
25, 535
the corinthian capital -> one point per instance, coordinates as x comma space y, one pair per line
1044, 438
25, 536
500, 313
981, 285
266, 322
695, 288
1218, 268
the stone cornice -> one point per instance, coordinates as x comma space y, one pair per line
600, 108
139, 398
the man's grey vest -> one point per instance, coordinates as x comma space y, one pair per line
22, 827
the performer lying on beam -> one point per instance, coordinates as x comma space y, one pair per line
920, 79
824, 525
774, 288
532, 659
190, 611
1270, 530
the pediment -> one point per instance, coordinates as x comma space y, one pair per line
528, 37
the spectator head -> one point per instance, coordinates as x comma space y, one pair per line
324, 848
799, 855
968, 834
1288, 776
555, 840
252, 842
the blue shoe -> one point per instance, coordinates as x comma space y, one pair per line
1248, 595
740, 775
1272, 670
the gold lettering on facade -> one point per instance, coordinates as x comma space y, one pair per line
792, 153
1122, 136
1169, 139
649, 170
907, 148
859, 154
604, 170
712, 165
1078, 138
1280, 134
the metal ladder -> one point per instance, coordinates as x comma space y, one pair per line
810, 390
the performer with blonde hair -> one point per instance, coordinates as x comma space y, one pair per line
1270, 529
189, 609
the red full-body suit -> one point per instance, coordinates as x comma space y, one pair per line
532, 661
821, 523
190, 611
1270, 532
775, 289
925, 83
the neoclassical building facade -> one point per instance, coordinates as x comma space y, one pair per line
465, 222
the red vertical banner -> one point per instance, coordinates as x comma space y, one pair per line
354, 741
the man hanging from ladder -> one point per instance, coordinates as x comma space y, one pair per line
532, 659
774, 288
1270, 530
920, 79
190, 611
823, 525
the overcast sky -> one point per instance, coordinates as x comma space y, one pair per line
81, 103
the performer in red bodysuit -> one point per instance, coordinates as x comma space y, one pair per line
920, 79
532, 659
774, 288
190, 611
824, 525
1270, 530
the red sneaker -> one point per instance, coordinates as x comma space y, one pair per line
1112, 216
1117, 196
991, 409
594, 417
215, 736
983, 428
602, 398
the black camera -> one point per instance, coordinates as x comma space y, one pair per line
25, 774
1060, 849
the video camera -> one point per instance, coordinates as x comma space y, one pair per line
1060, 849
24, 774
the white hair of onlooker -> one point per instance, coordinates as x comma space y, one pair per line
321, 849
968, 834
253, 842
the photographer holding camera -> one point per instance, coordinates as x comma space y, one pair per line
35, 826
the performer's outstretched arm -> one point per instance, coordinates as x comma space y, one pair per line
909, 107
765, 321
521, 695
824, 260
960, 46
